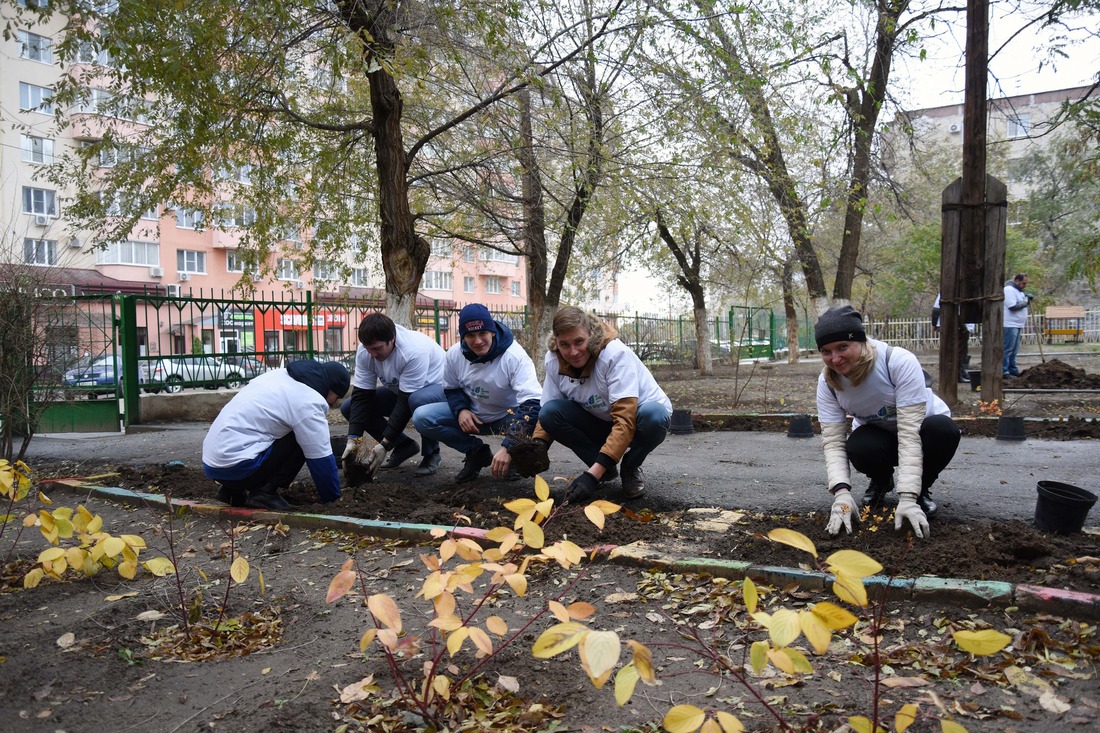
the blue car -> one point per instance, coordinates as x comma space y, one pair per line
95, 378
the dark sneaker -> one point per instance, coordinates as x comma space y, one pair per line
473, 463
876, 493
403, 452
427, 466
267, 497
929, 507
633, 482
232, 498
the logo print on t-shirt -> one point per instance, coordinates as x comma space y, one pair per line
595, 402
479, 393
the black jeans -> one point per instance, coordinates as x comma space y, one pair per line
282, 464
873, 451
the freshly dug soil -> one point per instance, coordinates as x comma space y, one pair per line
1009, 551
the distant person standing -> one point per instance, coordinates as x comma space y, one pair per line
1015, 318
964, 330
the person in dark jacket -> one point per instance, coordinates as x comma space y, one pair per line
491, 388
275, 424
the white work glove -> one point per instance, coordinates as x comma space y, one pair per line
374, 459
909, 510
844, 509
349, 451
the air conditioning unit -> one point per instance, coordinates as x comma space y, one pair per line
299, 285
75, 243
184, 277
257, 277
955, 127
156, 272
172, 290
42, 220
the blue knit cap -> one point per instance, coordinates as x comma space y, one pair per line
473, 318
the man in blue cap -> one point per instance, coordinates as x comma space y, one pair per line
491, 388
271, 428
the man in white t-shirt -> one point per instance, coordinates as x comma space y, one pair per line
408, 366
491, 388
1015, 318
964, 331
275, 424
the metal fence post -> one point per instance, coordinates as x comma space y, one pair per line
435, 320
131, 378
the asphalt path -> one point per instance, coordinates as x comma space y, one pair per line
989, 479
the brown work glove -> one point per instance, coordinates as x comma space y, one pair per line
530, 458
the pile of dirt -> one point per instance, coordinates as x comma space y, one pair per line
1054, 374
1011, 552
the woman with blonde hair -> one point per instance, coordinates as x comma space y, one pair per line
897, 422
600, 401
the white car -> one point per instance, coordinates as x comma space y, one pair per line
177, 372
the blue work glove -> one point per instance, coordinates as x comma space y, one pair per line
582, 489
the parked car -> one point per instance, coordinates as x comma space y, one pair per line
248, 366
177, 372
97, 377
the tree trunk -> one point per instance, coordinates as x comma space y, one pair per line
793, 349
702, 336
534, 237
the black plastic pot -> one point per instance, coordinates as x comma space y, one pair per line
1062, 508
975, 379
681, 423
1010, 427
800, 427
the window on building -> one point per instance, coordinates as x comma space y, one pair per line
112, 204
438, 280
442, 249
89, 54
492, 284
288, 269
360, 278
237, 216
1019, 125
150, 214
36, 149
39, 201
488, 254
39, 251
239, 172
189, 260
33, 98
233, 262
188, 218
32, 3
467, 254
468, 284
515, 288
35, 47
129, 252
325, 270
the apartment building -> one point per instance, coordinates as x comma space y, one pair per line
172, 249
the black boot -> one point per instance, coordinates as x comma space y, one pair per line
475, 460
924, 501
876, 492
964, 367
267, 497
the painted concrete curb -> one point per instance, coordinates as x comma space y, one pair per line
948, 591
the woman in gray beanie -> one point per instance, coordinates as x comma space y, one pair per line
897, 422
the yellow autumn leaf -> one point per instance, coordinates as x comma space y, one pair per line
784, 628
815, 631
75, 556
112, 546
605, 506
127, 569
159, 566
542, 489
781, 660
710, 725
559, 611
447, 549
748, 589
833, 616
643, 662
533, 536
580, 610
798, 660
517, 582
44, 499
730, 723
594, 515
339, 586
260, 577
520, 506
441, 685
950, 726
455, 640
982, 643
496, 625
625, 682
794, 539
496, 534
558, 638
95, 524
481, 640
33, 578
758, 656
385, 610
50, 554
601, 651
860, 724
853, 562
133, 541
683, 719
850, 590
366, 639
239, 569
905, 718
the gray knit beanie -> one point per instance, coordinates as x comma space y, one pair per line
839, 324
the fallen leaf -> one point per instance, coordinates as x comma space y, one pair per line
66, 640
905, 682
120, 597
1051, 702
511, 684
150, 616
621, 598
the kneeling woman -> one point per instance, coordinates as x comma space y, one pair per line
897, 421
600, 401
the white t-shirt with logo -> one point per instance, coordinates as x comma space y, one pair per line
415, 362
496, 386
617, 374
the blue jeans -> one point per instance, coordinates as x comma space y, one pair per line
384, 401
579, 431
1011, 348
438, 422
